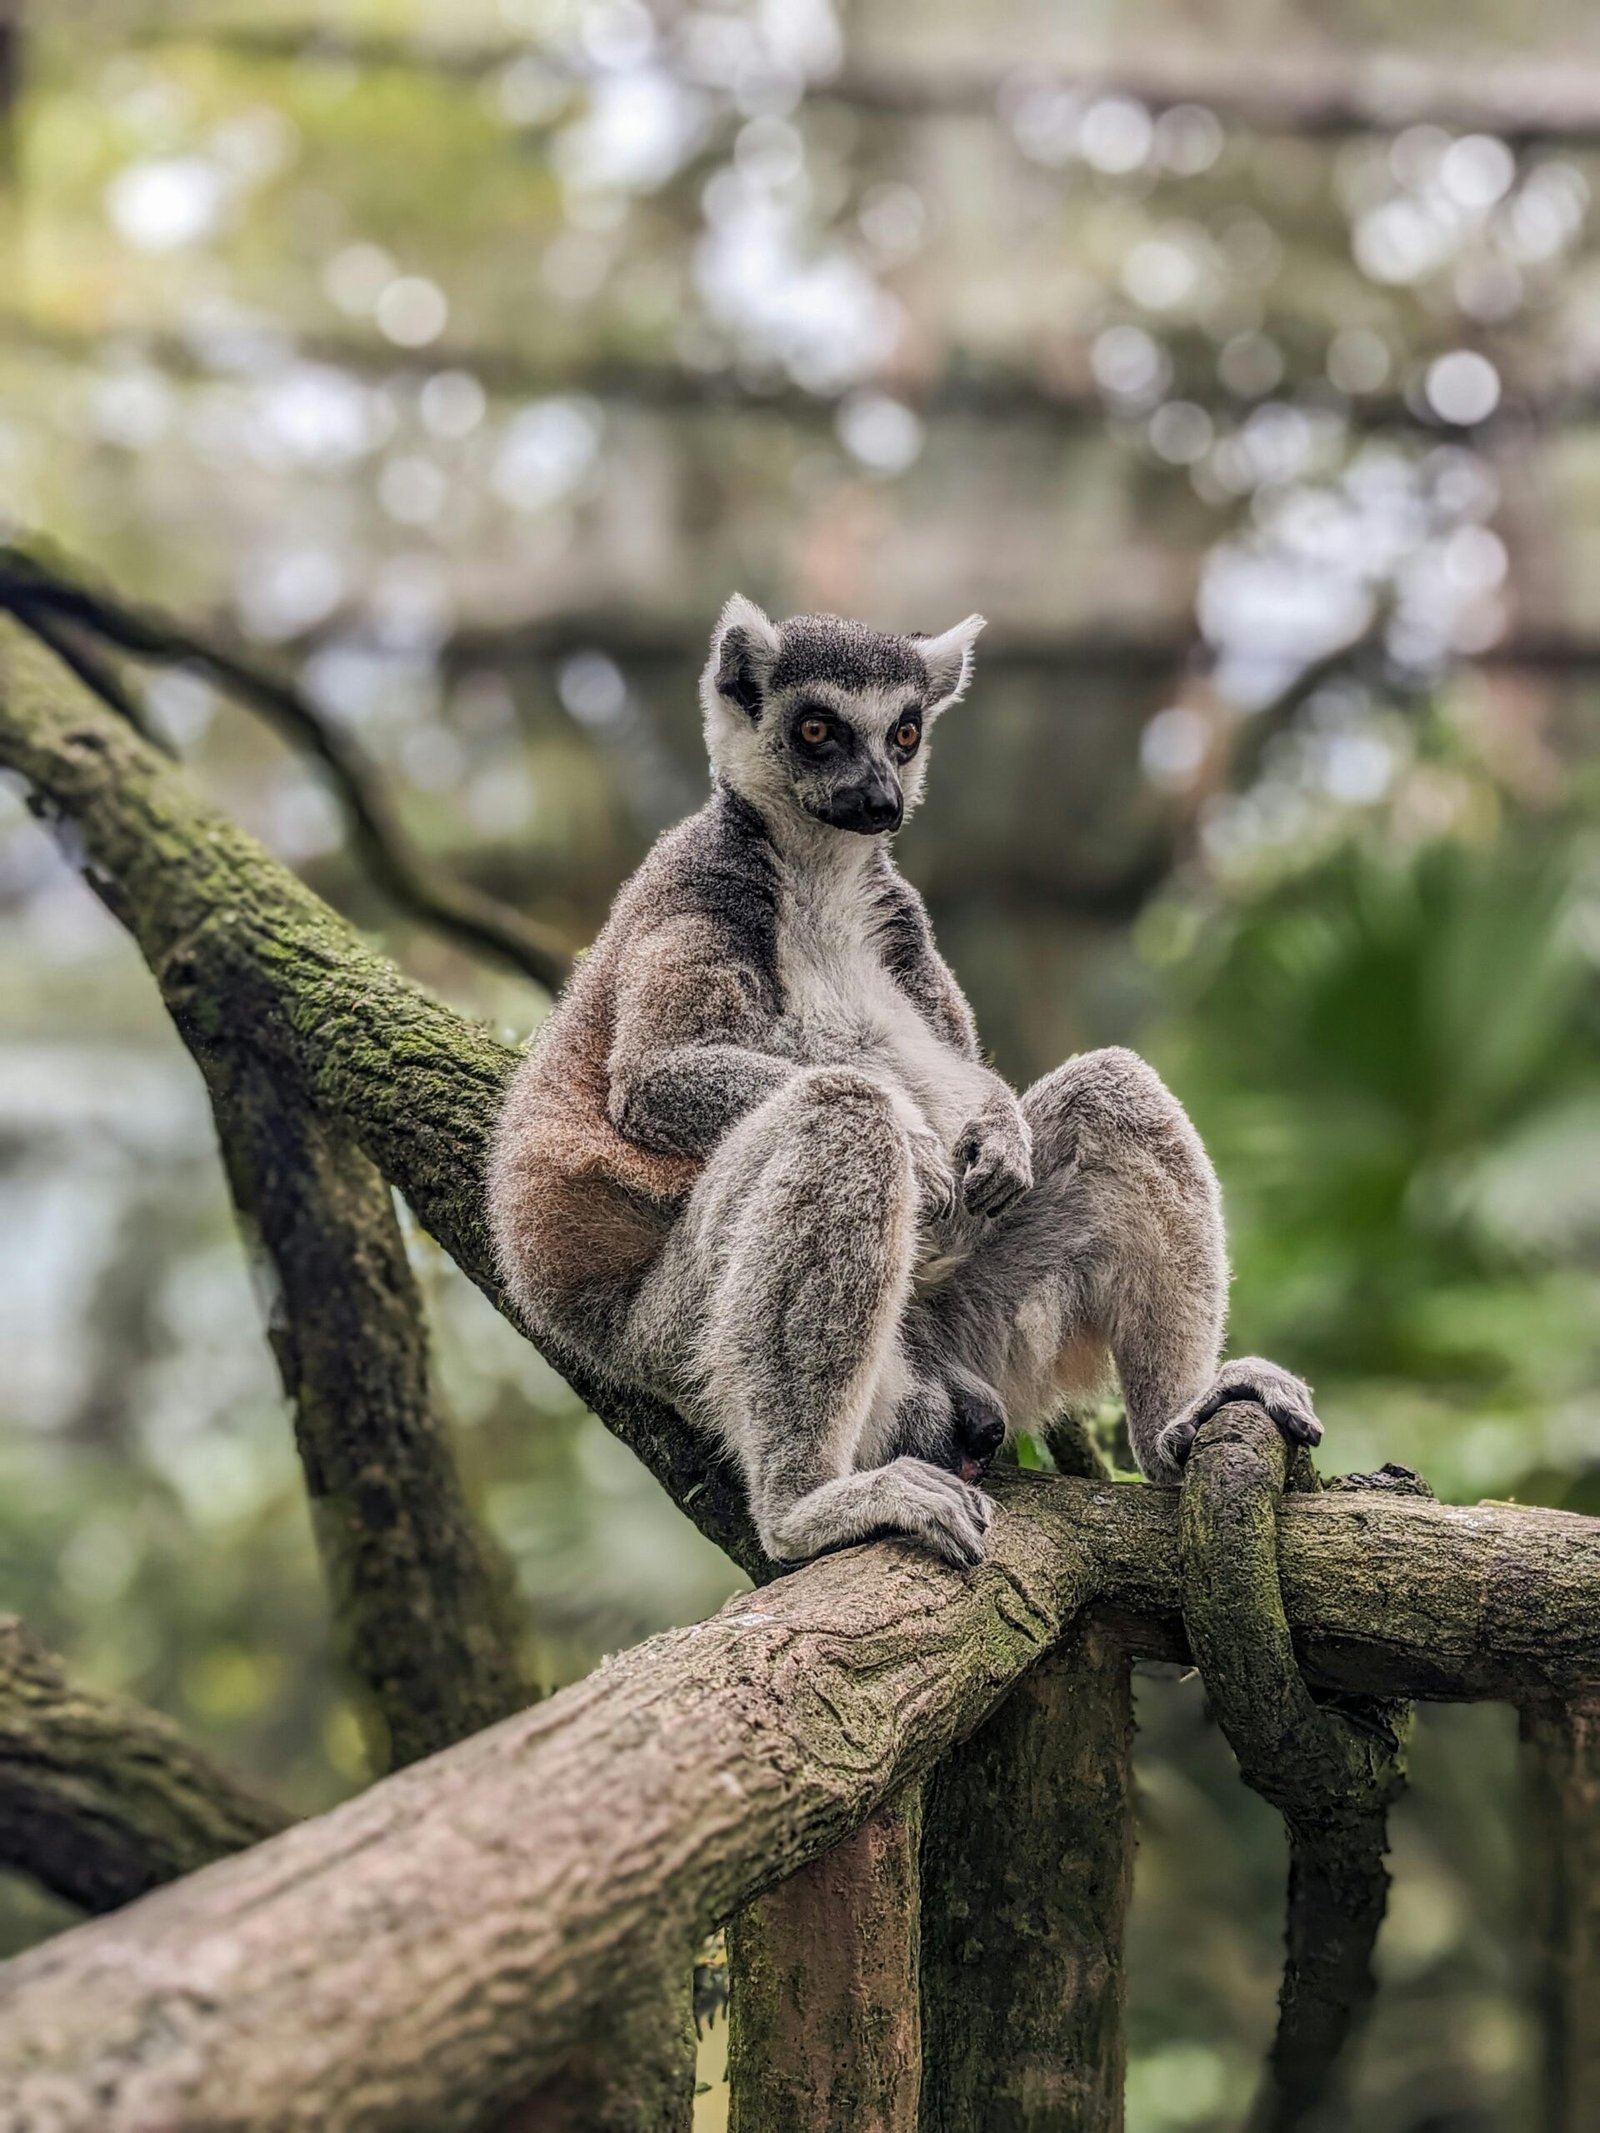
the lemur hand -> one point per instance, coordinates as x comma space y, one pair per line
995, 1154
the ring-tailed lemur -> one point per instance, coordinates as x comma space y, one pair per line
756, 1164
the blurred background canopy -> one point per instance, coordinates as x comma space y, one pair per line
454, 362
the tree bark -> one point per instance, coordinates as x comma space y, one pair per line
421, 1603
435, 1949
1028, 1855
1331, 1773
100, 1800
823, 2030
1563, 1752
637, 2076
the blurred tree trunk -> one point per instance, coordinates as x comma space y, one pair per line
1563, 1757
823, 2027
421, 1605
1027, 1867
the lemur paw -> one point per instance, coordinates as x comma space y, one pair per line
996, 1159
931, 1505
1286, 1398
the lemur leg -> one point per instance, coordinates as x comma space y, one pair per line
774, 1314
1118, 1251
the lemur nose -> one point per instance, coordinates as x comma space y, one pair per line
881, 810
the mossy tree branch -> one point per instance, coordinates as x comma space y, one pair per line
436, 1948
100, 1799
1331, 1773
245, 952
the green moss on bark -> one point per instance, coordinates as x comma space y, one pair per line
1027, 1872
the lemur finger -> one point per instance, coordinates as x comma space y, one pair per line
943, 1525
990, 1187
1297, 1423
1174, 1444
946, 1499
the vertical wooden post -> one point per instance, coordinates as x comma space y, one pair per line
823, 2029
1564, 1772
1027, 1867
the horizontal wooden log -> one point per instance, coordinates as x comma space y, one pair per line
436, 1948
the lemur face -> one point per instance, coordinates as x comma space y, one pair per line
824, 718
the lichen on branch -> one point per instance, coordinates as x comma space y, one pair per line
1332, 1773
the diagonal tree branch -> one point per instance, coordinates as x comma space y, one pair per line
101, 1800
38, 594
238, 944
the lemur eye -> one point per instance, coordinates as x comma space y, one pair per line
907, 734
813, 731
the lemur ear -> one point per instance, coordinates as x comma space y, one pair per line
743, 647
948, 660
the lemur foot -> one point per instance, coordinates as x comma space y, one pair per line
1286, 1398
938, 1508
927, 1503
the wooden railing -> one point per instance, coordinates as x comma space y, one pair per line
907, 1788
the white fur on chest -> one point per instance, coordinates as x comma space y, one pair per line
843, 1008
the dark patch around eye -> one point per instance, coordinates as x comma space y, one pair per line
838, 734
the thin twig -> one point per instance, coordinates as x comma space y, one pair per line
97, 675
36, 592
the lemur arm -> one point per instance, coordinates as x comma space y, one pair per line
686, 1061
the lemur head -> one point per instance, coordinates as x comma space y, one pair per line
826, 718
